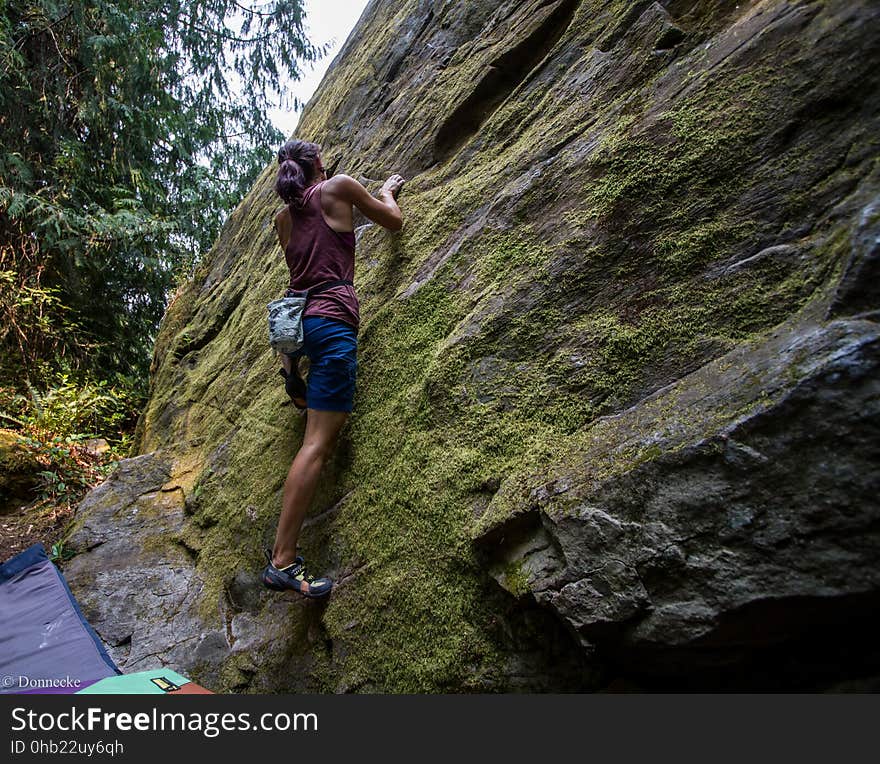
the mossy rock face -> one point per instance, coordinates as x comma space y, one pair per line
674, 525
604, 200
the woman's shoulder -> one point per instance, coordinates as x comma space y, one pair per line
340, 185
339, 179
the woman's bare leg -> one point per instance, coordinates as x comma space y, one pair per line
322, 429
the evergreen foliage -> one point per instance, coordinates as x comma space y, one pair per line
128, 131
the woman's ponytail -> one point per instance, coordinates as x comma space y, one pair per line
298, 161
291, 181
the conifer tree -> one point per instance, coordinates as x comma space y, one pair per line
128, 131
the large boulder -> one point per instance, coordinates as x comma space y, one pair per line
732, 510
617, 410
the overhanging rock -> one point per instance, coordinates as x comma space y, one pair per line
736, 508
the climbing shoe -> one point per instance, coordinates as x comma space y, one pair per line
295, 577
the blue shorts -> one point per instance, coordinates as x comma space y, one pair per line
331, 347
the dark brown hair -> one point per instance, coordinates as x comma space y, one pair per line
298, 164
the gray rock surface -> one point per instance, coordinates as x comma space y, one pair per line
744, 486
136, 582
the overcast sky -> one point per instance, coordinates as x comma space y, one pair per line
327, 21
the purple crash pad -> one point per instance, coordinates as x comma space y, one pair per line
46, 645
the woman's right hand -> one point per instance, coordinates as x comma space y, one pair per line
393, 185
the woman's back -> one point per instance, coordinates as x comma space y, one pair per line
316, 254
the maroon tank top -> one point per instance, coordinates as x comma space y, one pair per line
317, 254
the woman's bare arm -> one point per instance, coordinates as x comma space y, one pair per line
382, 210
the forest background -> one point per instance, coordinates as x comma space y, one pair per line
129, 130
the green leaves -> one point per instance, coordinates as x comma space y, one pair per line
61, 553
122, 151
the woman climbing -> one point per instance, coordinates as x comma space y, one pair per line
315, 231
